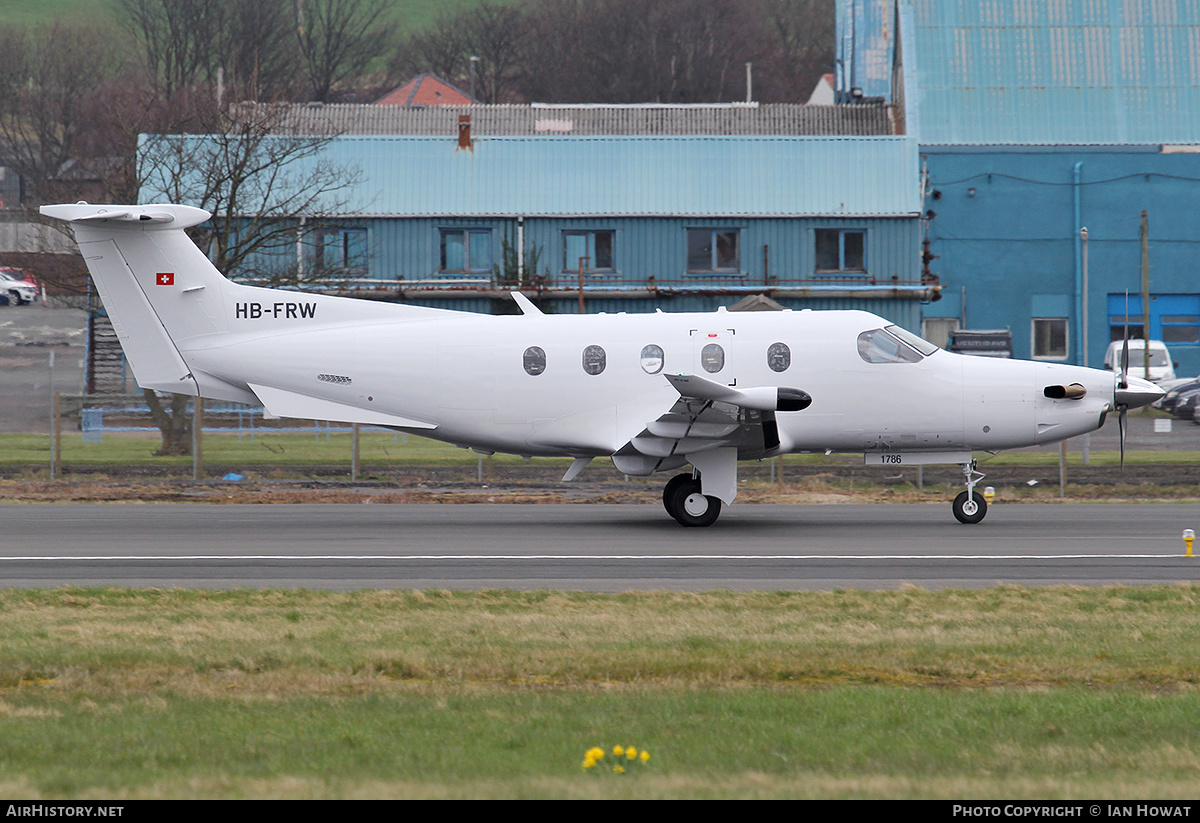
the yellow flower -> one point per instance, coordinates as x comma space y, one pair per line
618, 751
644, 756
595, 753
619, 769
631, 753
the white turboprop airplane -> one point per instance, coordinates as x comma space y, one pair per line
653, 392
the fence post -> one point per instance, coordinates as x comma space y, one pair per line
56, 437
354, 456
1062, 468
197, 438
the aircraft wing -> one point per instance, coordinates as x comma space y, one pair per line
708, 416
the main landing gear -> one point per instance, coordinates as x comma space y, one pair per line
969, 506
683, 501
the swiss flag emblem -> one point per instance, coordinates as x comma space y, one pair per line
165, 278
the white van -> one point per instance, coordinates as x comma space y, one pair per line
1161, 366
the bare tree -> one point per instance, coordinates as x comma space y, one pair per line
339, 39
633, 51
267, 189
441, 49
45, 75
245, 44
496, 33
175, 39
801, 36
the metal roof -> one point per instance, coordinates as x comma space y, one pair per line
625, 176
649, 119
698, 176
1064, 72
866, 44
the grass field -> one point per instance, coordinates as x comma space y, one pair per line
298, 447
411, 15
1008, 692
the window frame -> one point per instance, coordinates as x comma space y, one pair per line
713, 249
841, 235
466, 232
590, 238
347, 260
1172, 322
1033, 338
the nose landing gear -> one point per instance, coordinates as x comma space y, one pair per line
969, 506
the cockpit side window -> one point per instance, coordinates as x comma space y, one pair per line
919, 343
878, 346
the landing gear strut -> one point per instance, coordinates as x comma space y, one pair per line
969, 506
683, 500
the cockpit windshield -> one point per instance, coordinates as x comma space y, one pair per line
893, 345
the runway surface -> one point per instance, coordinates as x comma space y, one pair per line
590, 547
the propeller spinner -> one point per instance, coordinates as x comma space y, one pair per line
1131, 393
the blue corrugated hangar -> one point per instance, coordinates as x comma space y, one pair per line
1036, 121
633, 207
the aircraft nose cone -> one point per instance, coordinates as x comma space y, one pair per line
1138, 393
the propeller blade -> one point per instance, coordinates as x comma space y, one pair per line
1121, 429
1124, 382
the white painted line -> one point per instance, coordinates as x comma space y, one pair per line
470, 557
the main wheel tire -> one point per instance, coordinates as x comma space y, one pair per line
671, 489
970, 510
690, 507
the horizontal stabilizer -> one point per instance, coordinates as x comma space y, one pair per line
283, 403
133, 217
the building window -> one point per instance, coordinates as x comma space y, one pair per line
466, 251
596, 246
841, 250
1049, 338
937, 330
1180, 328
342, 250
713, 250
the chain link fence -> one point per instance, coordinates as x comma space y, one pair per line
118, 434
50, 427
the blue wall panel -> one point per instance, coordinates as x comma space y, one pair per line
1006, 230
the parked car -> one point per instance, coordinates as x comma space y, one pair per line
1174, 388
1162, 367
17, 288
1185, 405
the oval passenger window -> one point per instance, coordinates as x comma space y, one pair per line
593, 360
712, 358
652, 359
779, 356
534, 360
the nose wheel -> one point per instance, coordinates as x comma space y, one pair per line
684, 501
970, 507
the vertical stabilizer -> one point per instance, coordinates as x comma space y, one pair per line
158, 288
